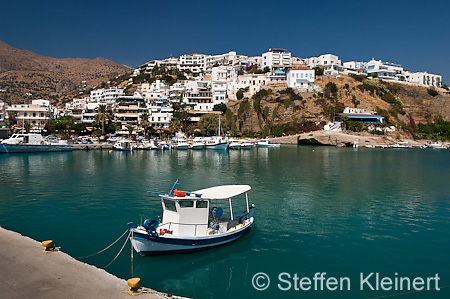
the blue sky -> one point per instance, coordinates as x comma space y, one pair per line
413, 33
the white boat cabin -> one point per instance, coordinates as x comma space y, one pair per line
191, 213
29, 138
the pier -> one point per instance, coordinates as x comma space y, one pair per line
27, 272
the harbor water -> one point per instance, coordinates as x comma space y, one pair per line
341, 211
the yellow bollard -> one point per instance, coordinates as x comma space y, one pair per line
48, 245
134, 284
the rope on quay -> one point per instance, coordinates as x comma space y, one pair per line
412, 292
106, 247
123, 246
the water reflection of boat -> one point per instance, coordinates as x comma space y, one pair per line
192, 221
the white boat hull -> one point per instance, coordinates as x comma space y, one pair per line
145, 244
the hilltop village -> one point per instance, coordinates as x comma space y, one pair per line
272, 94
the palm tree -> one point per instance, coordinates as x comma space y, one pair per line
174, 126
144, 122
27, 127
102, 110
130, 129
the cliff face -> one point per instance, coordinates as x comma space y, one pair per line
398, 103
25, 75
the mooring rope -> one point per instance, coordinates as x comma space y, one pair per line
106, 247
123, 246
406, 293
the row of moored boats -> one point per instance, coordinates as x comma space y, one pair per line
197, 143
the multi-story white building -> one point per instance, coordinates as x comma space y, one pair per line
384, 70
106, 95
194, 63
219, 92
423, 79
160, 112
157, 89
300, 77
331, 64
38, 114
2, 112
221, 59
354, 68
276, 59
223, 73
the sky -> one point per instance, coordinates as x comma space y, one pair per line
415, 34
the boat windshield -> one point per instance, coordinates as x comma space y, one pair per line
170, 205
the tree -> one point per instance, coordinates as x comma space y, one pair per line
27, 127
209, 124
102, 110
240, 94
220, 107
130, 129
174, 125
144, 122
318, 71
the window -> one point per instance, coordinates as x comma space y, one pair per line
186, 204
202, 204
42, 114
170, 205
25, 114
34, 114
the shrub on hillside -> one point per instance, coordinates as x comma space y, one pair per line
432, 92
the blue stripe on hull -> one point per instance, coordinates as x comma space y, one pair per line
16, 148
183, 245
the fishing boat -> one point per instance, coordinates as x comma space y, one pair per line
123, 145
30, 143
197, 144
180, 143
193, 221
266, 143
245, 144
218, 142
234, 144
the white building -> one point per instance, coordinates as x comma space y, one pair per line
423, 79
106, 95
160, 112
2, 112
157, 89
219, 92
194, 63
384, 70
301, 77
276, 59
354, 68
221, 59
331, 64
38, 114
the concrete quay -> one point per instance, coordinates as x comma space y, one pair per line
27, 272
93, 146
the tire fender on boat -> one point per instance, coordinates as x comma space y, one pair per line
42, 142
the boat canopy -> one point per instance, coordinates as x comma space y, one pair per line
223, 192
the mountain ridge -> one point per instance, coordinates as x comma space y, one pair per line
25, 75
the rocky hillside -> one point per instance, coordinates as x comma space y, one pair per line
280, 110
25, 75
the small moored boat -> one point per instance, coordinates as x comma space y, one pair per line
194, 221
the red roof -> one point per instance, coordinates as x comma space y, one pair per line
302, 68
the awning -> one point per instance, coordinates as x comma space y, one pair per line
223, 192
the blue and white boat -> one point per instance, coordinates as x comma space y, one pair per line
194, 221
31, 143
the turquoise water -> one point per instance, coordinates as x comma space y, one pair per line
318, 209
